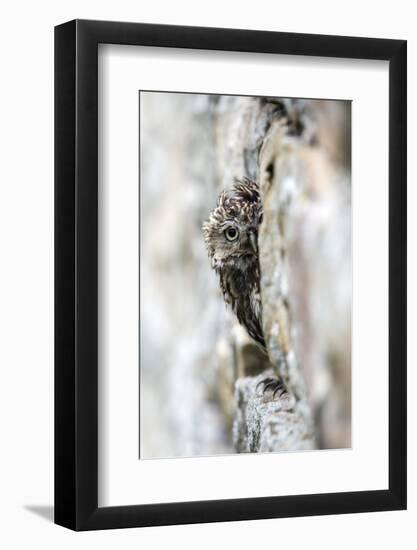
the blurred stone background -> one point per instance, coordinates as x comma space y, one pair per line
197, 365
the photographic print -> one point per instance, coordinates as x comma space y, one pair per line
245, 274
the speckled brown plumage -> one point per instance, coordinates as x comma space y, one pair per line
236, 261
231, 236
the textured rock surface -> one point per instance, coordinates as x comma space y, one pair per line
199, 369
263, 424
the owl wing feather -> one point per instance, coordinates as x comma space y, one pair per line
247, 306
253, 323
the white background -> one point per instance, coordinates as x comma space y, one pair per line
26, 301
122, 478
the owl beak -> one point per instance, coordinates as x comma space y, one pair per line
253, 242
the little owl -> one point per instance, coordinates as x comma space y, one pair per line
231, 236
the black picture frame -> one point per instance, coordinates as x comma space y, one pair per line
76, 272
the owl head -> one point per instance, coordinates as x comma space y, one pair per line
231, 232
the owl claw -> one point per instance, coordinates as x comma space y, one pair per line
282, 391
265, 382
277, 387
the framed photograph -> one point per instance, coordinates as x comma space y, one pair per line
230, 275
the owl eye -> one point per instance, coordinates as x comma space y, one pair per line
231, 233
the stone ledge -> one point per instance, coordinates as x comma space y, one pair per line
263, 424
